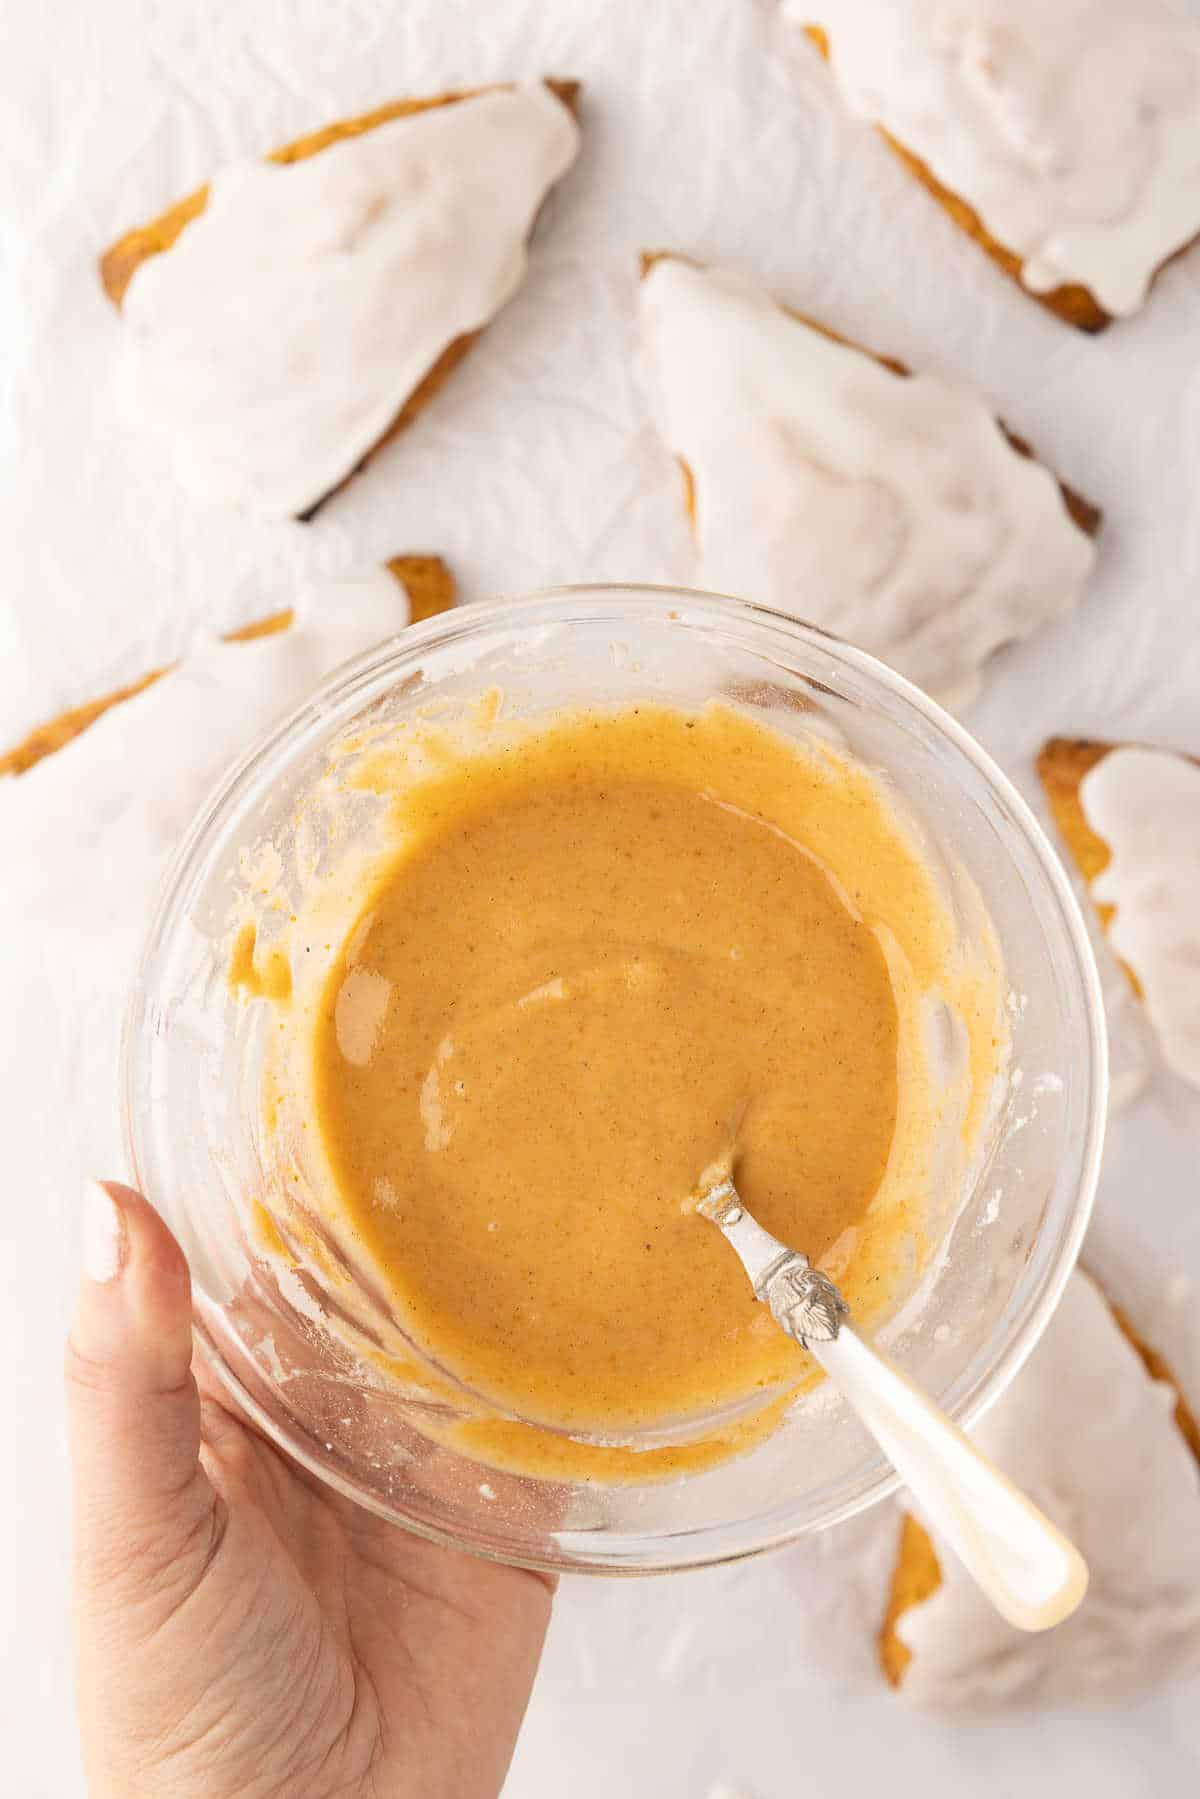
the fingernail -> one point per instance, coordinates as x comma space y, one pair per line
102, 1234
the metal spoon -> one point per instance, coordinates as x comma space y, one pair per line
1031, 1573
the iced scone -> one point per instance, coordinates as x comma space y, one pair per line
1064, 139
577, 954
426, 583
891, 508
1130, 816
286, 321
1097, 1429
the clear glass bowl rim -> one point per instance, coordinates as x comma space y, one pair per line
616, 602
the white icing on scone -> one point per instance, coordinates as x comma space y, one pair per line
278, 338
1072, 127
116, 800
1145, 804
891, 510
1091, 1437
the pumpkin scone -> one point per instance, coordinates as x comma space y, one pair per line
88, 832
426, 580
1064, 139
1097, 1428
1130, 817
284, 322
828, 481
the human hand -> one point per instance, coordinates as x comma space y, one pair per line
242, 1629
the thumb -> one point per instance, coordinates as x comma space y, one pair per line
133, 1412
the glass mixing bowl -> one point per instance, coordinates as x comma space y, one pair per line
192, 1113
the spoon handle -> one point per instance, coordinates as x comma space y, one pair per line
1031, 1573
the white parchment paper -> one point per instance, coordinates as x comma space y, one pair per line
708, 128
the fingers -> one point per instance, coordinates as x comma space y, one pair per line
141, 1498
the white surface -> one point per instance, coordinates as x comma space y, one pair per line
706, 128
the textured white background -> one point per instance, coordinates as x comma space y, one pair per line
708, 127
